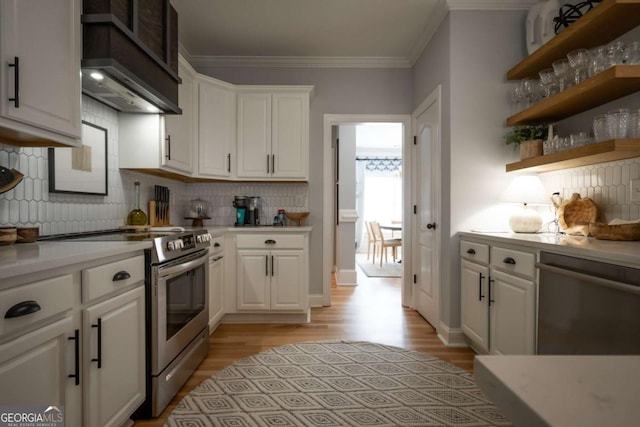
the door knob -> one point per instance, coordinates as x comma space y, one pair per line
431, 226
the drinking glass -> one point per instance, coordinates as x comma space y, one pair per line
579, 63
600, 132
549, 82
548, 146
634, 124
597, 60
562, 71
633, 57
579, 139
618, 123
616, 53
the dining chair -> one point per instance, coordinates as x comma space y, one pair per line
371, 240
385, 243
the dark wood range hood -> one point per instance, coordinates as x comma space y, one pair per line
133, 45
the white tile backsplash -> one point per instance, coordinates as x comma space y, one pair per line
30, 203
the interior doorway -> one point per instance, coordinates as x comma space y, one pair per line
332, 210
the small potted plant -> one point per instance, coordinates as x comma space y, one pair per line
528, 138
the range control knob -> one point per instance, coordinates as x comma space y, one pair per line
179, 243
171, 246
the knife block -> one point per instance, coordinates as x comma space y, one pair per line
158, 219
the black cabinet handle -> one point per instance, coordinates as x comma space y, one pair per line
273, 163
271, 265
480, 296
490, 299
509, 260
471, 251
120, 276
99, 358
76, 352
267, 164
431, 226
229, 162
168, 139
22, 309
16, 88
270, 242
266, 265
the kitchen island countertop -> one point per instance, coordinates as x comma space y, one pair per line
25, 258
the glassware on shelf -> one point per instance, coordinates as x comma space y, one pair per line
618, 123
616, 54
597, 60
579, 63
600, 132
633, 57
579, 139
549, 82
634, 124
563, 72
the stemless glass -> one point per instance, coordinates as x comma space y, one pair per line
634, 124
633, 51
600, 131
616, 53
597, 60
618, 123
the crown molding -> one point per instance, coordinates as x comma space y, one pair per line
490, 4
438, 15
299, 62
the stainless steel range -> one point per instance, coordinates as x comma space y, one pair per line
177, 307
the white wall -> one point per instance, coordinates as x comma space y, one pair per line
337, 91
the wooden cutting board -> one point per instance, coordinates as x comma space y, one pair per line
575, 214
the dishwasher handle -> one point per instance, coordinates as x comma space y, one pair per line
590, 279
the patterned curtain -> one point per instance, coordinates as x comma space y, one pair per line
381, 164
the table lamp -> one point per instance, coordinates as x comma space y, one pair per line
526, 190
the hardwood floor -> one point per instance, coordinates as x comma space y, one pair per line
368, 312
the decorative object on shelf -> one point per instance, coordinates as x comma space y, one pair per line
198, 212
528, 139
570, 13
575, 215
526, 190
547, 14
533, 28
82, 169
9, 178
296, 218
136, 216
628, 231
8, 236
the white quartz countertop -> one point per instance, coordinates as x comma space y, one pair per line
587, 247
25, 258
259, 229
563, 391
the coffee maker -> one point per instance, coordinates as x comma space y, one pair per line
247, 210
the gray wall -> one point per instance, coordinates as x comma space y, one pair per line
337, 91
347, 198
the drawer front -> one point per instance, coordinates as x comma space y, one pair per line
474, 251
217, 245
513, 261
270, 241
52, 296
108, 278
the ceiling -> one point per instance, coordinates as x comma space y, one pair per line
384, 33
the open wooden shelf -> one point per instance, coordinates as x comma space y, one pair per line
607, 21
611, 84
601, 152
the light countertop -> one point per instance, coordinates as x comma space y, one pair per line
25, 258
622, 252
259, 229
563, 391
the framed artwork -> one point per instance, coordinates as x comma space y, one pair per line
83, 169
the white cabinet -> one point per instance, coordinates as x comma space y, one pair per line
114, 363
273, 133
216, 283
272, 272
162, 141
216, 128
40, 47
498, 298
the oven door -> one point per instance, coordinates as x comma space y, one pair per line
180, 306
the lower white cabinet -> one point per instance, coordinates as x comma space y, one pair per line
272, 272
498, 298
216, 290
114, 349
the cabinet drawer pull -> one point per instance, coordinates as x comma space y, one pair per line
16, 87
271, 265
471, 251
273, 163
120, 276
509, 260
22, 309
99, 358
267, 164
76, 352
168, 139
270, 242
229, 162
216, 245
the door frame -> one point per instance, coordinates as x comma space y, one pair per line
435, 97
328, 243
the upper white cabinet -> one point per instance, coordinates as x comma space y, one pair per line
40, 87
216, 128
157, 142
273, 133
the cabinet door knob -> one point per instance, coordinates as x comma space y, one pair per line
120, 276
22, 309
471, 251
509, 260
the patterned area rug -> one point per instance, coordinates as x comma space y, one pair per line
388, 269
338, 383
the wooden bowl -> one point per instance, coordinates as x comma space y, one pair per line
296, 218
8, 236
27, 234
615, 232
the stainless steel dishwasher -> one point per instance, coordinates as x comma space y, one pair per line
587, 307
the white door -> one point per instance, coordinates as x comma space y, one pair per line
290, 134
254, 135
179, 128
425, 224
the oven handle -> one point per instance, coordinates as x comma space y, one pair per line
174, 270
590, 279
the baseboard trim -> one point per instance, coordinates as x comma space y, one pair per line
451, 337
347, 278
267, 317
316, 300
